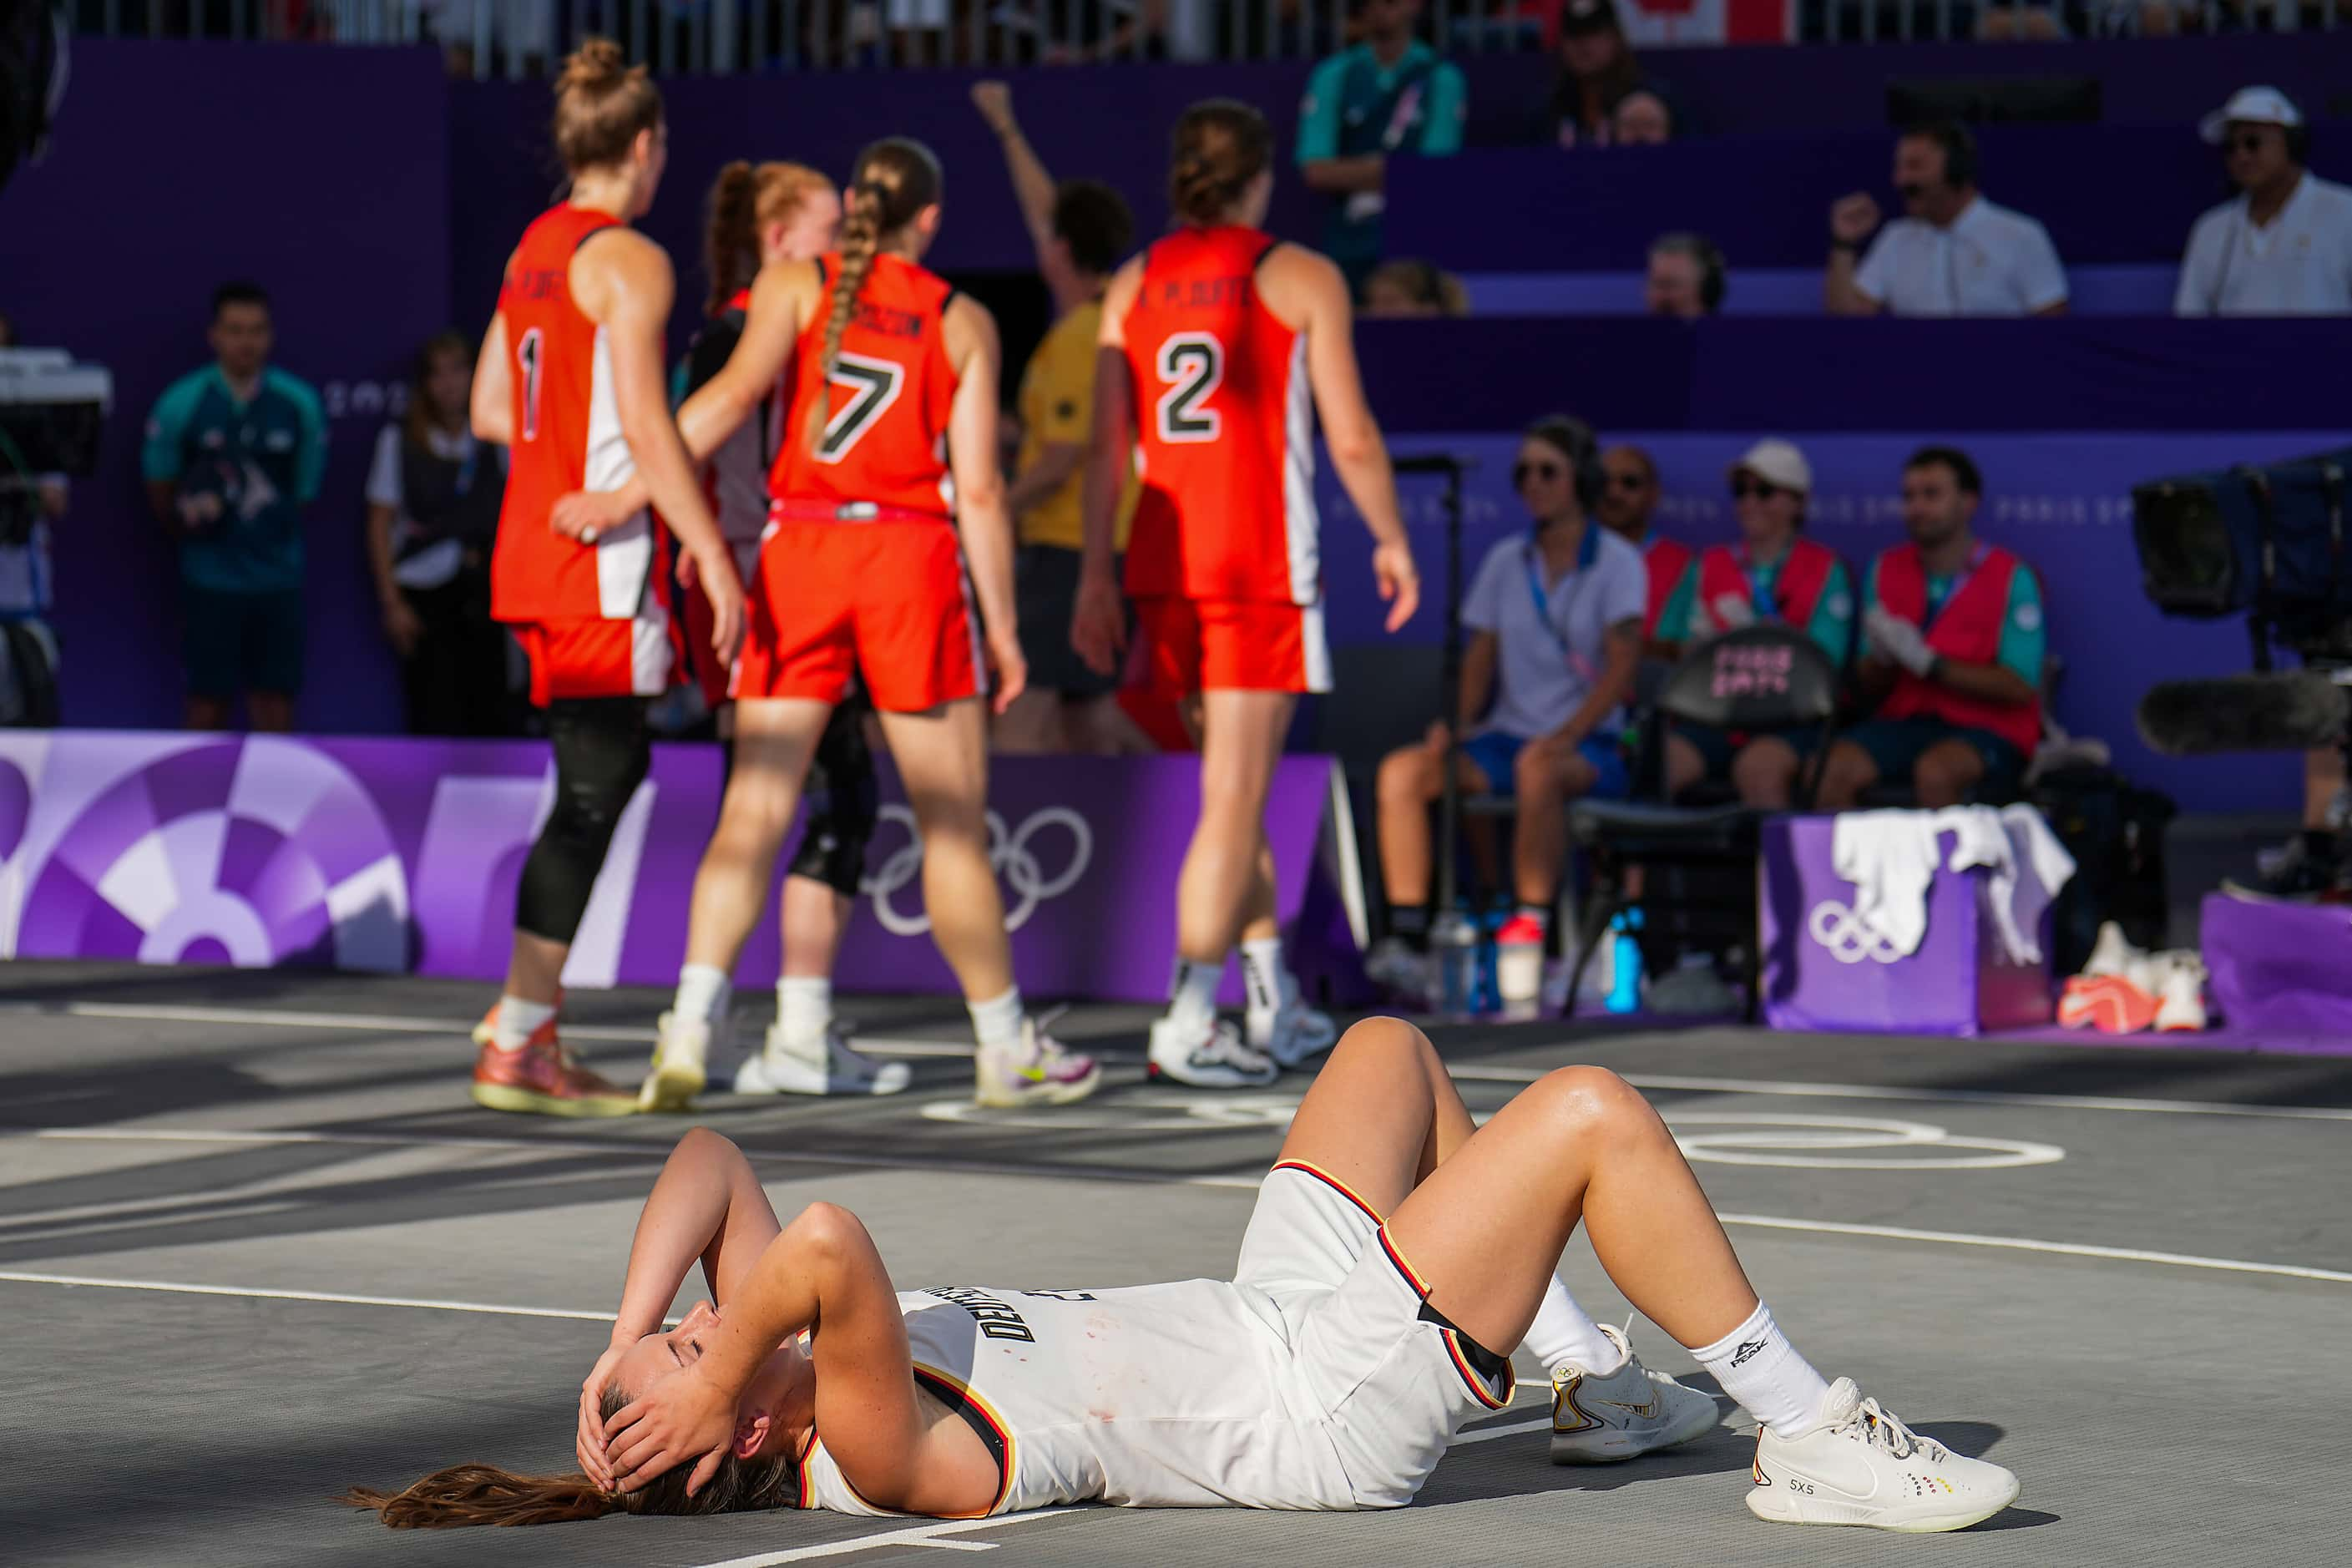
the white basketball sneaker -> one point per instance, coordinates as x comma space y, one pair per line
681, 1064
1598, 1418
1294, 1033
1861, 1466
2180, 991
828, 1065
1213, 1058
1040, 1070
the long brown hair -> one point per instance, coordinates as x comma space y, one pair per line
896, 179
602, 106
485, 1494
745, 199
417, 422
1221, 144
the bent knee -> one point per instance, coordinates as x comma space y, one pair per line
1595, 1099
1383, 1033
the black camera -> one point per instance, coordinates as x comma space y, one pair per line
2267, 542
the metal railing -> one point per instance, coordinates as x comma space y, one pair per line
524, 37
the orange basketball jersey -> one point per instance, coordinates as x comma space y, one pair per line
1226, 456
885, 407
567, 436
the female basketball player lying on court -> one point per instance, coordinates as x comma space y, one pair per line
1331, 1373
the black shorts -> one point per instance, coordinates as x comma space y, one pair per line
1044, 595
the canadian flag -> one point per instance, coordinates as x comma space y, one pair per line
1650, 23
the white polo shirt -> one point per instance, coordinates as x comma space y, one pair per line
1989, 262
2298, 264
1551, 637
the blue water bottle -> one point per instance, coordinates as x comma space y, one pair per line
1625, 962
1490, 996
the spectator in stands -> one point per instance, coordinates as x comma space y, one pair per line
1627, 504
28, 648
1685, 277
1954, 636
1408, 287
1081, 230
1555, 618
1389, 96
433, 494
1953, 254
233, 453
1773, 574
1597, 74
2284, 246
1641, 119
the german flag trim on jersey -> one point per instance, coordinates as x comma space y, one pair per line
1335, 1184
1489, 1376
958, 1398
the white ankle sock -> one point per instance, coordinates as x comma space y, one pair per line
703, 992
1263, 975
1562, 1332
1192, 994
804, 1007
1756, 1364
517, 1021
997, 1022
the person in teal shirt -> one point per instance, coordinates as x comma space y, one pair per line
1389, 94
233, 454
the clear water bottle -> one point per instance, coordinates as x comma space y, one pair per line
1453, 955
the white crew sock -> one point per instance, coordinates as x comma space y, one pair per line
1564, 1333
1263, 975
517, 1021
997, 1022
703, 992
1756, 1364
803, 1009
1192, 995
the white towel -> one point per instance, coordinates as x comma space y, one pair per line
1890, 856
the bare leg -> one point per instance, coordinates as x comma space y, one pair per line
1240, 739
1545, 778
1579, 1143
942, 757
535, 968
1766, 772
1382, 1114
775, 740
270, 712
815, 917
2323, 775
207, 713
1684, 766
1410, 778
1848, 772
1032, 726
1945, 773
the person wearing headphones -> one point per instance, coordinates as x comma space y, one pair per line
2283, 246
1952, 254
1554, 619
1685, 278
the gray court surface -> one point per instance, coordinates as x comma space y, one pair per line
255, 1245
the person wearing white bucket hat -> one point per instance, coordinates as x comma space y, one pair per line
2283, 246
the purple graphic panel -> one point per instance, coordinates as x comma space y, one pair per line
393, 855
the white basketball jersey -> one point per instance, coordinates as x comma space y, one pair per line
1154, 1395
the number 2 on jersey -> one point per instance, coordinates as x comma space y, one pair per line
1193, 366
873, 386
528, 352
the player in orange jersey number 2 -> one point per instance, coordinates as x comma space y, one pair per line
571, 381
1212, 342
860, 572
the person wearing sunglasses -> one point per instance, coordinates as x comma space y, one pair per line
1554, 617
2283, 246
1772, 574
1627, 504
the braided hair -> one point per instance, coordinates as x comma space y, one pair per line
896, 178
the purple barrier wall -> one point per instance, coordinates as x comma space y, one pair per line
401, 855
323, 176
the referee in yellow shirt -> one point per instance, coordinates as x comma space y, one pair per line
1082, 229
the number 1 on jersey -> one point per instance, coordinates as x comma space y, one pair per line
1193, 366
528, 354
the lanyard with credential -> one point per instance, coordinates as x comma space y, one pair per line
1759, 597
1930, 608
1587, 550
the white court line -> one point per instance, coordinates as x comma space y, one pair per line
1954, 1095
398, 1024
913, 1163
337, 1297
879, 1046
1486, 1434
919, 1535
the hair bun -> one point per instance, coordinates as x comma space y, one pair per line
597, 62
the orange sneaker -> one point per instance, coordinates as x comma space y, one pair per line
542, 1079
2107, 1002
487, 1032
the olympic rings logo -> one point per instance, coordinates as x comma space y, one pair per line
1847, 937
1010, 855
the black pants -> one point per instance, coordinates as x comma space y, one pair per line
456, 676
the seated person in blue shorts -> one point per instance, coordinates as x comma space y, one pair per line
1555, 616
1954, 642
1772, 573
